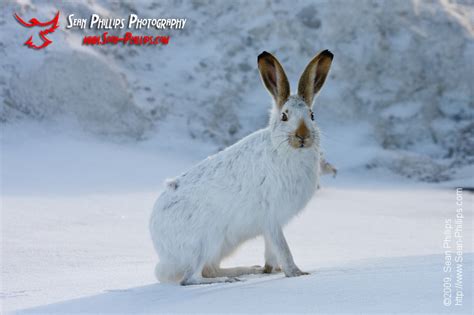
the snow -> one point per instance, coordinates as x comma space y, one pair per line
397, 285
75, 239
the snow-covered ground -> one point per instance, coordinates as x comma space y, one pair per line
75, 235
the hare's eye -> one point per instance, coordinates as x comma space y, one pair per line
312, 115
284, 117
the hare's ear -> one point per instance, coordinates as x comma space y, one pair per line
274, 78
314, 76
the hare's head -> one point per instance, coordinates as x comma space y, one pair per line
292, 122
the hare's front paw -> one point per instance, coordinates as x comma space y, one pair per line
295, 272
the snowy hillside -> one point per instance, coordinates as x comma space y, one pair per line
403, 68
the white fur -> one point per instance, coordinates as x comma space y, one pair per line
251, 188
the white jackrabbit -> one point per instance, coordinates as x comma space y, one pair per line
251, 188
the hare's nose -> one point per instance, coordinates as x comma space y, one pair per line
302, 132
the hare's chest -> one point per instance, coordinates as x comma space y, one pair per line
293, 189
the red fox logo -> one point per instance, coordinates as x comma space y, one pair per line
54, 23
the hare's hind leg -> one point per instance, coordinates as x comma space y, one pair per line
214, 271
194, 275
239, 271
193, 278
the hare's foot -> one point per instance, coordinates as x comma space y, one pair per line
209, 272
201, 280
194, 276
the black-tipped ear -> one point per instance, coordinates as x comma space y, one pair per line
274, 77
314, 76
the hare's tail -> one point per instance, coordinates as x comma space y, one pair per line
168, 273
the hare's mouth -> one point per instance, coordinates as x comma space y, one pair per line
300, 142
